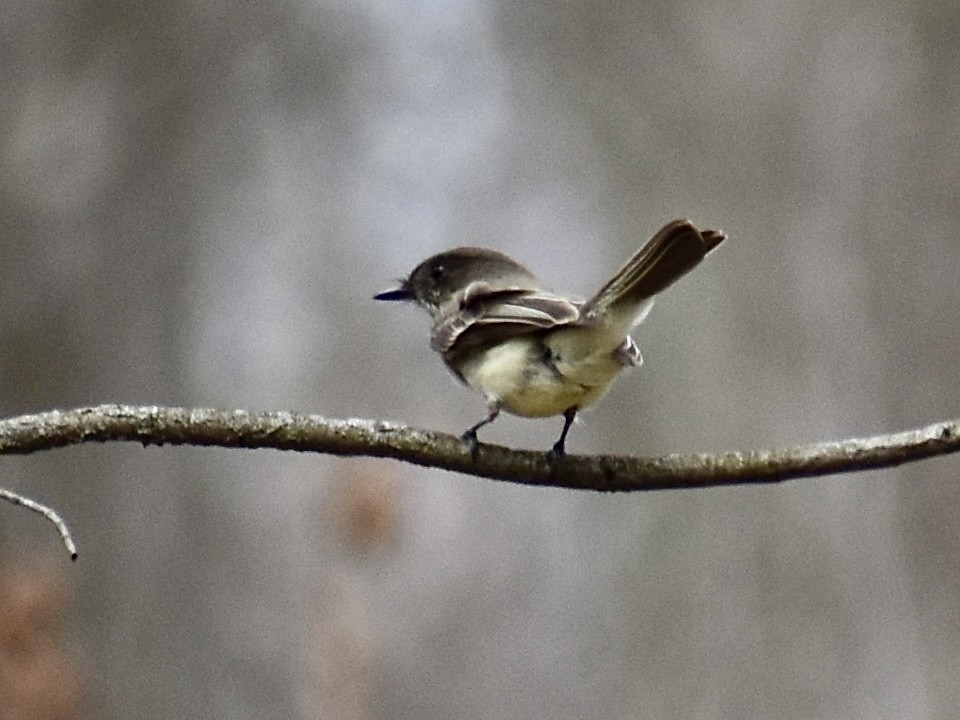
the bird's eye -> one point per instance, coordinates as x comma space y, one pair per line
437, 272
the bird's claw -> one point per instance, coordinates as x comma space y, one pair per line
473, 445
557, 452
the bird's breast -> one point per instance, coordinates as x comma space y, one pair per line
533, 376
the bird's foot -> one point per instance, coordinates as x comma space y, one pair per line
557, 452
473, 445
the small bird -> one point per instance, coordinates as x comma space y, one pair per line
530, 351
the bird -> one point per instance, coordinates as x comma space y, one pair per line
532, 352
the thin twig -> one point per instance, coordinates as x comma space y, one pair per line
312, 433
49, 513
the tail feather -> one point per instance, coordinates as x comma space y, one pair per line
671, 253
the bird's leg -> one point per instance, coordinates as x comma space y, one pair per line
558, 450
493, 409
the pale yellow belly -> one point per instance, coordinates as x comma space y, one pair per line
515, 375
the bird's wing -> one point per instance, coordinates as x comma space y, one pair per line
482, 315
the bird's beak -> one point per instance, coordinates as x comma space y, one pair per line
402, 292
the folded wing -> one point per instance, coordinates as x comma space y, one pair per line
482, 315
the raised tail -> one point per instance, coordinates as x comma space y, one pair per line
673, 251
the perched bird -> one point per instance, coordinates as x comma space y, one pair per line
530, 351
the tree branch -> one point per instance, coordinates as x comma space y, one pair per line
49, 513
312, 433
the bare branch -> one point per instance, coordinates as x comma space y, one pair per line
49, 513
312, 433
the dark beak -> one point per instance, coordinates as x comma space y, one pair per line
401, 293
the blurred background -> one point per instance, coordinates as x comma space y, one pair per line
197, 202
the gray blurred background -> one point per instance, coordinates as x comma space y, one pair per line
197, 201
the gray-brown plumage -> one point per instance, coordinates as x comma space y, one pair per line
533, 352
